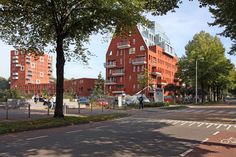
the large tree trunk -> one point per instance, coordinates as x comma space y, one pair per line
60, 79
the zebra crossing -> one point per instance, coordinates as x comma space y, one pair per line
196, 124
204, 111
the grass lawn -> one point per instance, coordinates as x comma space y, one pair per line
17, 126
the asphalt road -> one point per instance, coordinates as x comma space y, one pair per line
147, 133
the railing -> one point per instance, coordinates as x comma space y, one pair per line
15, 57
15, 61
15, 74
156, 72
118, 72
139, 61
110, 82
123, 44
110, 65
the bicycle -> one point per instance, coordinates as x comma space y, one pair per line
229, 140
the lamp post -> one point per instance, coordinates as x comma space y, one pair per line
196, 85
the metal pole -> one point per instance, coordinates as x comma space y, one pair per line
196, 85
48, 109
29, 110
79, 107
6, 110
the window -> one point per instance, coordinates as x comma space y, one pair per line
41, 74
121, 52
110, 53
16, 52
134, 86
133, 41
130, 60
32, 65
133, 68
117, 52
37, 81
132, 50
41, 59
142, 48
137, 68
121, 61
22, 68
121, 79
130, 77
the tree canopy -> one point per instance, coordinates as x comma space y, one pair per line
214, 68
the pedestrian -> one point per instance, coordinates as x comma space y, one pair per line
53, 101
141, 102
35, 99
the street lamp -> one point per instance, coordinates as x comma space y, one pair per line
196, 80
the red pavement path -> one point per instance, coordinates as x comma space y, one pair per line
215, 147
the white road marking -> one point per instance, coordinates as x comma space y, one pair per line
217, 132
209, 125
69, 132
200, 124
228, 127
186, 152
205, 140
218, 126
192, 123
176, 122
35, 138
183, 123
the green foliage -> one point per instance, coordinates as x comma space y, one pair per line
17, 126
4, 84
213, 67
69, 95
98, 90
224, 13
144, 80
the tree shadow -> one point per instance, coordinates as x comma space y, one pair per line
127, 137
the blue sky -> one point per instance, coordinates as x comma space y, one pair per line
180, 27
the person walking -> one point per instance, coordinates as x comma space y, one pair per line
141, 102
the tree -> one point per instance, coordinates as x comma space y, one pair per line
4, 83
144, 80
98, 90
224, 13
67, 24
213, 67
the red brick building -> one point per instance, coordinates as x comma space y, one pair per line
33, 74
127, 58
29, 69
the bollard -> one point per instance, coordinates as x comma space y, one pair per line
79, 108
48, 110
6, 110
64, 108
28, 110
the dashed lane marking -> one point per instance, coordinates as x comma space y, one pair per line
217, 132
74, 131
35, 138
205, 140
186, 152
209, 125
218, 126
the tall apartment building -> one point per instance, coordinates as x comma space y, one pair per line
29, 69
128, 57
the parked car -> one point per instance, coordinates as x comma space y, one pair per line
84, 100
102, 102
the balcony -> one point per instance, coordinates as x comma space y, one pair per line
27, 78
123, 44
27, 61
15, 74
27, 57
18, 65
162, 82
15, 78
154, 63
118, 72
118, 91
139, 61
15, 61
29, 73
110, 82
156, 73
110, 65
15, 57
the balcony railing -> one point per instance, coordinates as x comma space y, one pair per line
27, 57
162, 82
15, 57
118, 72
18, 65
27, 78
15, 78
155, 72
15, 74
123, 45
118, 91
110, 65
154, 63
15, 61
139, 61
27, 61
110, 82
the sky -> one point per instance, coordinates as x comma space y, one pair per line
179, 26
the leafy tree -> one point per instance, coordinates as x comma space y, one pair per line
4, 83
98, 90
67, 24
144, 80
213, 67
224, 13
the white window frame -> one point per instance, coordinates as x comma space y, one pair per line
132, 50
32, 65
41, 59
41, 74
